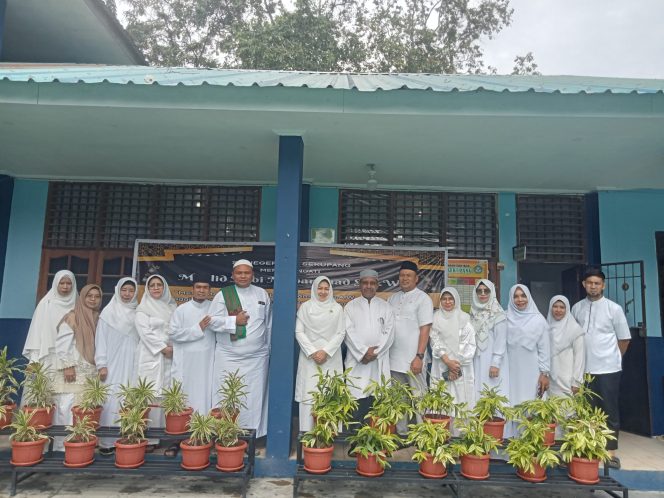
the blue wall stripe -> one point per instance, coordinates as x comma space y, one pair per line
506, 241
6, 192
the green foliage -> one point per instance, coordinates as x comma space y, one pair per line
525, 64
529, 448
373, 441
332, 399
586, 436
323, 432
37, 386
202, 429
173, 398
548, 411
437, 400
232, 394
228, 432
473, 440
492, 404
140, 396
8, 371
393, 401
132, 425
430, 439
94, 394
23, 432
81, 431
581, 402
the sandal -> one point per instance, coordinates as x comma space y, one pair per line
106, 451
150, 448
614, 463
172, 450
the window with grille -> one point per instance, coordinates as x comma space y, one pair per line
552, 227
463, 222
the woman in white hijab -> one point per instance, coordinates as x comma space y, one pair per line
116, 346
490, 323
60, 300
319, 331
568, 355
453, 345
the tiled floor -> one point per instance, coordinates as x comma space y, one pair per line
640, 453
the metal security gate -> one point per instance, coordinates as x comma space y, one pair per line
625, 284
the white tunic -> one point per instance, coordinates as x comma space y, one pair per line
193, 353
368, 324
69, 356
526, 364
493, 356
567, 368
605, 324
152, 364
412, 310
249, 355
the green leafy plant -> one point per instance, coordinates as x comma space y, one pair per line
81, 431
437, 401
586, 436
94, 394
38, 387
332, 399
23, 432
393, 401
548, 411
581, 402
142, 395
203, 429
132, 425
228, 432
430, 440
322, 433
173, 398
473, 440
374, 441
529, 448
8, 383
232, 394
492, 405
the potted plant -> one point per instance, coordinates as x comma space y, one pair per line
130, 448
492, 409
230, 448
548, 411
232, 396
174, 403
8, 387
392, 402
196, 449
142, 395
318, 444
473, 448
372, 445
94, 395
530, 453
80, 443
38, 395
437, 405
26, 441
332, 397
431, 452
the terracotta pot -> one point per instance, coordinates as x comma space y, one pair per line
392, 427
584, 471
539, 475
439, 419
550, 435
318, 460
432, 470
42, 418
94, 414
177, 423
216, 413
475, 467
231, 459
495, 428
368, 466
80, 454
6, 419
130, 456
28, 453
195, 457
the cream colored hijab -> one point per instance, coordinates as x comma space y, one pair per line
484, 316
447, 324
321, 317
564, 331
157, 308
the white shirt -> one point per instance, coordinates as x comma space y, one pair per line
605, 324
412, 310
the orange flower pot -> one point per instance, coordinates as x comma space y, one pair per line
130, 456
231, 459
550, 435
475, 467
195, 457
6, 419
80, 454
176, 423
25, 454
369, 466
539, 475
392, 428
216, 413
583, 471
495, 428
42, 418
438, 419
432, 470
318, 460
94, 414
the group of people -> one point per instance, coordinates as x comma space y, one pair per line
198, 343
518, 351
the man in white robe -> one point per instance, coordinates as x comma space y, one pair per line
194, 341
369, 335
243, 343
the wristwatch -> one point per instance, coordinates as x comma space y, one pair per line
420, 356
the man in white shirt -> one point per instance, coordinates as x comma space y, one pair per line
607, 338
413, 316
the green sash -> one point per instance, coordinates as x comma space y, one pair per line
234, 307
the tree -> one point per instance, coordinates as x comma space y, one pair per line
525, 64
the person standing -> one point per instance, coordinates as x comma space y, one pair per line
243, 342
607, 339
567, 349
319, 331
413, 315
369, 336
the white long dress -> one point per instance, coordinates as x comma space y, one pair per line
568, 354
250, 356
193, 353
368, 324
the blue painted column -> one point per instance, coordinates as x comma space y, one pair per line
506, 241
282, 359
6, 193
3, 7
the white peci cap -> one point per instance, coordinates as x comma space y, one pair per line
243, 262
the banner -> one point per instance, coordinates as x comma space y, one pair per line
463, 274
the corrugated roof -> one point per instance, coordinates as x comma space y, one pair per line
364, 82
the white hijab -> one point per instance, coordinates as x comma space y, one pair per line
119, 315
564, 331
484, 316
48, 315
524, 326
157, 308
448, 324
321, 318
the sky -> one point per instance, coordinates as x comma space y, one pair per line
619, 38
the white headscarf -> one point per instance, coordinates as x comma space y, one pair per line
157, 308
321, 318
48, 315
564, 331
524, 327
447, 324
484, 316
119, 315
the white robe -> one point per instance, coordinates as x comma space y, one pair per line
193, 353
567, 368
493, 356
368, 324
526, 365
250, 355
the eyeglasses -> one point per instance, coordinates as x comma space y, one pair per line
483, 291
